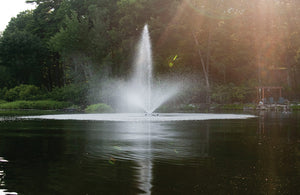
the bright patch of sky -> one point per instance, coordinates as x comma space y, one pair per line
11, 8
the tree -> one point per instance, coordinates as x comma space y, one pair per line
22, 53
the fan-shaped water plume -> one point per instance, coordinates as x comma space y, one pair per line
141, 91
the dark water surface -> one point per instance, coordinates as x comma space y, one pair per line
250, 156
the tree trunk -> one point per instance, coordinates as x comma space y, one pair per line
205, 67
208, 54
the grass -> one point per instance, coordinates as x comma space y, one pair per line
39, 105
295, 107
15, 112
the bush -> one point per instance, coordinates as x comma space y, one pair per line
100, 108
230, 93
22, 92
40, 104
75, 93
29, 92
3, 92
12, 94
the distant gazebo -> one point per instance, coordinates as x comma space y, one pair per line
264, 92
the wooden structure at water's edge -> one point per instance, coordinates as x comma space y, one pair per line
263, 92
270, 98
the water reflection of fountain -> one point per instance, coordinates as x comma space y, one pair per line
146, 142
145, 171
135, 144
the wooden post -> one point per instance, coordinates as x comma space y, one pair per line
263, 93
279, 92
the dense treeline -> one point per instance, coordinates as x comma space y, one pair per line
228, 46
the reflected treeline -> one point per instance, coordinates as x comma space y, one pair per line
242, 158
278, 152
47, 157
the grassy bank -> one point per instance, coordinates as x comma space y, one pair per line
38, 104
295, 107
52, 105
104, 108
26, 112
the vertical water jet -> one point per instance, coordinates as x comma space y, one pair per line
140, 91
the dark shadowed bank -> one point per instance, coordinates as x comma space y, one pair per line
84, 98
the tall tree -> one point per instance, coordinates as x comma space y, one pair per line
22, 53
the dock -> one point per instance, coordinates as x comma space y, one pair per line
274, 107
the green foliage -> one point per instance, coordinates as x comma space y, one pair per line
23, 22
295, 107
12, 94
237, 106
3, 92
99, 108
2, 101
22, 54
71, 38
40, 104
230, 93
62, 42
28, 92
232, 107
5, 77
74, 93
22, 92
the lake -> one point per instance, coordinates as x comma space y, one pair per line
231, 156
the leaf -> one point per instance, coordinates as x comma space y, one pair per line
175, 58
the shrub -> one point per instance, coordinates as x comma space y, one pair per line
3, 92
22, 92
29, 92
12, 94
75, 93
94, 108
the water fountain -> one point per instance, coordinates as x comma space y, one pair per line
142, 92
143, 141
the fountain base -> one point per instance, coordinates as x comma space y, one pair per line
151, 114
138, 117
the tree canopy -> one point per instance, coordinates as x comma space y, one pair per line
234, 42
